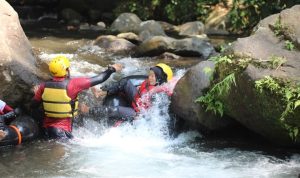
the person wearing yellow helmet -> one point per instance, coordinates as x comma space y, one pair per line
158, 75
59, 96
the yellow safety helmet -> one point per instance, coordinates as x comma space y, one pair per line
58, 66
167, 70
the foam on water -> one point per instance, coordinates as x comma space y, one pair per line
147, 149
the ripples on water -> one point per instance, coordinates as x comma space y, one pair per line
139, 150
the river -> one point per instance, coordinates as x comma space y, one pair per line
144, 149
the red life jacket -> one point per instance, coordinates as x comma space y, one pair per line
145, 102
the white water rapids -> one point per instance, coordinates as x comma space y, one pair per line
144, 149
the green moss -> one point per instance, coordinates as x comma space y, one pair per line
221, 84
289, 95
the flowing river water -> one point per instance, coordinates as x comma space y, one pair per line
139, 150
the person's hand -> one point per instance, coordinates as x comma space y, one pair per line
98, 92
35, 88
118, 67
83, 108
2, 134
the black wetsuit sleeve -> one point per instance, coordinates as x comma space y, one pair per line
102, 76
8, 117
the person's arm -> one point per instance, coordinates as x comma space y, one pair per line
103, 76
37, 99
10, 116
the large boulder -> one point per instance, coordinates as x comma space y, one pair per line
17, 63
185, 47
263, 110
187, 90
191, 28
114, 44
126, 22
152, 28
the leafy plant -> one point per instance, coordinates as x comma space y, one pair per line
276, 62
211, 98
221, 59
290, 95
289, 45
278, 27
245, 14
268, 83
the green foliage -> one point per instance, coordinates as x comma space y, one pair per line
290, 95
278, 27
211, 98
175, 11
289, 45
245, 14
276, 61
221, 59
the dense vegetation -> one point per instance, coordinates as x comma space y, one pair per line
243, 15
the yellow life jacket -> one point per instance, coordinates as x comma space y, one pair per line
56, 101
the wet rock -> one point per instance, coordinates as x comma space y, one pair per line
185, 47
17, 63
187, 90
169, 28
145, 35
114, 44
191, 28
261, 112
101, 25
126, 22
152, 28
132, 37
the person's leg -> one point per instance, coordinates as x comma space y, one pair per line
130, 90
56, 133
117, 112
127, 113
